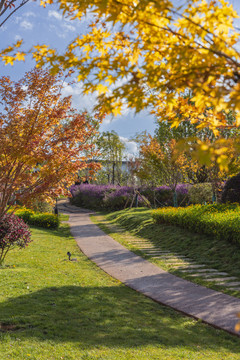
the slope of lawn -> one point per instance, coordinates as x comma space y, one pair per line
52, 308
215, 253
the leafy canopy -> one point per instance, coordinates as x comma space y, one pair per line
158, 51
42, 138
149, 53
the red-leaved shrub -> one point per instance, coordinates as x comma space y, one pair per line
13, 233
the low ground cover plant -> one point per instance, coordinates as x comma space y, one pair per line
44, 220
218, 220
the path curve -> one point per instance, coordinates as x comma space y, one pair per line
214, 308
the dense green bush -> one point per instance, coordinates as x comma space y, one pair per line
201, 193
218, 220
41, 206
44, 220
231, 190
24, 214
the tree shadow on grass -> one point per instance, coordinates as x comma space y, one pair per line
109, 316
62, 231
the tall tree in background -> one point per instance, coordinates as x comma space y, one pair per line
111, 150
161, 164
91, 152
42, 138
189, 134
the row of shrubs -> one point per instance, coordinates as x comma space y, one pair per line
109, 197
218, 220
44, 220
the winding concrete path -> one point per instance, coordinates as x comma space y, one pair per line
212, 307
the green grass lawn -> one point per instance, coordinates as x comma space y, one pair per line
52, 308
217, 254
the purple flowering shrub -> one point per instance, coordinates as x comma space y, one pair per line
90, 196
118, 199
13, 233
164, 195
111, 197
160, 196
182, 191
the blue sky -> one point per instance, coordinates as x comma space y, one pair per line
38, 25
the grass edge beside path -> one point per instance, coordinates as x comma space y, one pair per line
126, 226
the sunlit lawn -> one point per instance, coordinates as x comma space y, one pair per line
51, 308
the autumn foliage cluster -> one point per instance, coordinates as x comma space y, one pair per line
42, 139
149, 54
159, 46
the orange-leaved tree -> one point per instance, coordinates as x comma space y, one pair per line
42, 138
162, 163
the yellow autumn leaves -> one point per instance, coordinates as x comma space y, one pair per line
151, 53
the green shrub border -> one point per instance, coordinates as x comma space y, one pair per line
44, 220
218, 220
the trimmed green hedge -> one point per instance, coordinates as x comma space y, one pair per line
218, 220
44, 220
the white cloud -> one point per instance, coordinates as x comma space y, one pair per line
131, 146
55, 14
58, 33
79, 101
66, 26
107, 120
73, 90
29, 14
26, 25
17, 37
61, 35
69, 27
17, 19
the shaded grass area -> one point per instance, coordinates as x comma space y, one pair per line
217, 254
52, 308
63, 217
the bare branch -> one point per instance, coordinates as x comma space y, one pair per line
22, 4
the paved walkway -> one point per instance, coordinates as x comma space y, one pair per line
214, 308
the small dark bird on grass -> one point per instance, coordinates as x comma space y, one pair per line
69, 256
